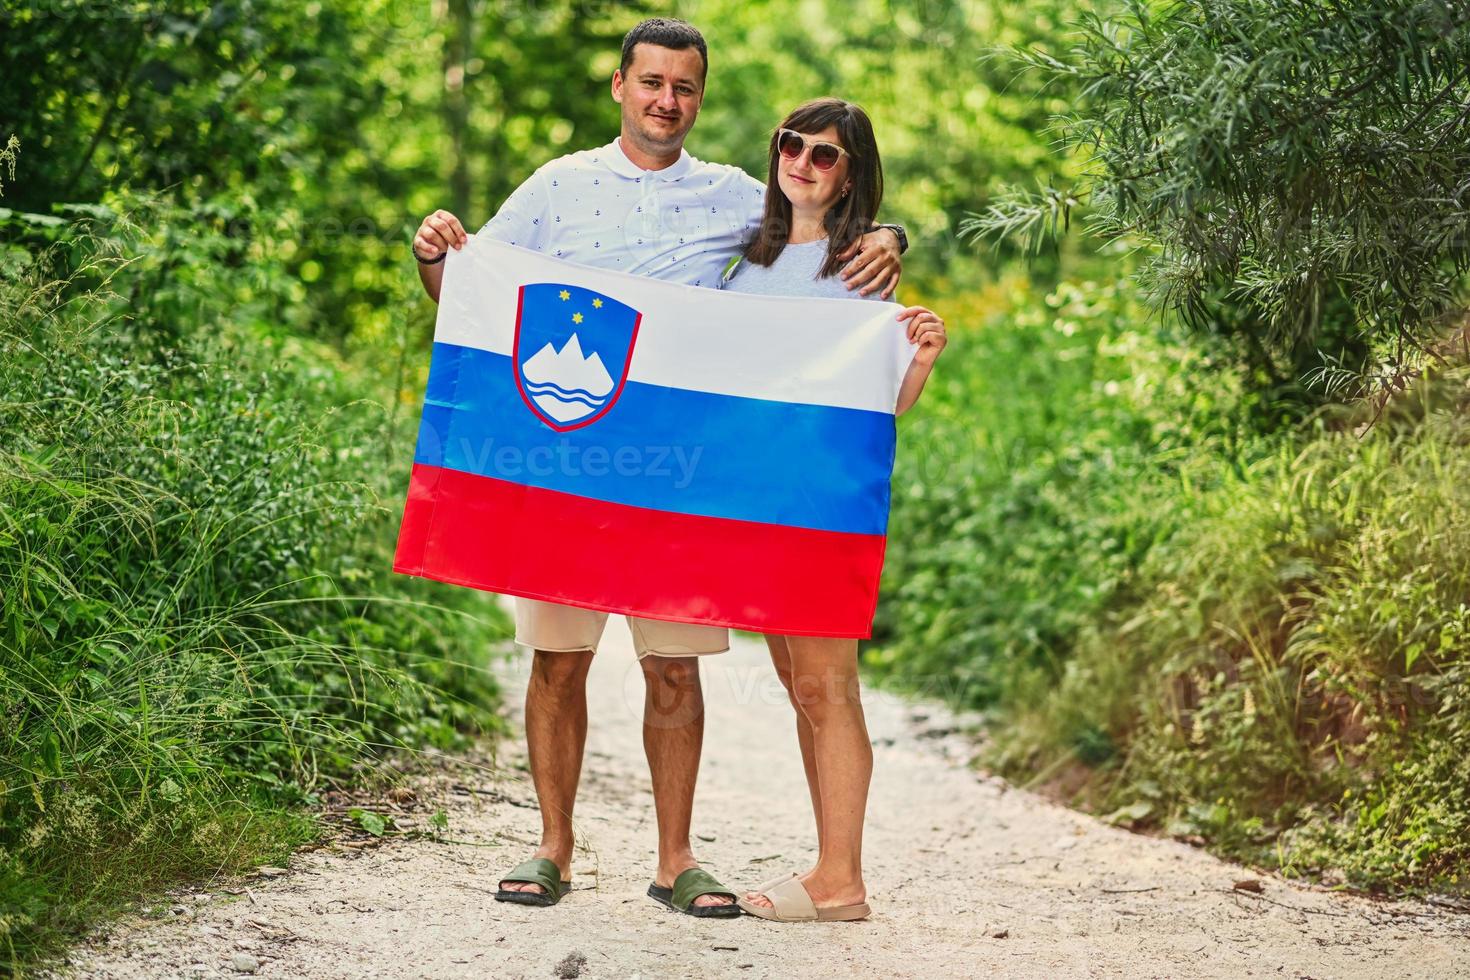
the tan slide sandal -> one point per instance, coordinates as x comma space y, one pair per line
791, 903
772, 883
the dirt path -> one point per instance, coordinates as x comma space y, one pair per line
966, 878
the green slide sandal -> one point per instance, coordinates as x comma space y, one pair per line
537, 871
692, 883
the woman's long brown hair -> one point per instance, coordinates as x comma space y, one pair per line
850, 217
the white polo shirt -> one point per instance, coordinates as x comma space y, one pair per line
682, 224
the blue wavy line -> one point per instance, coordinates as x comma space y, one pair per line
540, 386
576, 400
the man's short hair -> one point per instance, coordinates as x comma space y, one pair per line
666, 33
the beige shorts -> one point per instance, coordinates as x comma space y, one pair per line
552, 626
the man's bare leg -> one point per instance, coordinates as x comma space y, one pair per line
556, 734
673, 737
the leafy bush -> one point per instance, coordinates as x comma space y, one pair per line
1308, 644
198, 625
1295, 169
1261, 643
1032, 481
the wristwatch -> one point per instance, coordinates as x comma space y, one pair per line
436, 261
903, 239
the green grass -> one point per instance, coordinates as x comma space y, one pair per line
1180, 621
198, 625
1024, 494
1308, 645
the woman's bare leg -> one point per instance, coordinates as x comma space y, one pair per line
824, 685
781, 660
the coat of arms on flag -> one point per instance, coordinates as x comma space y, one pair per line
624, 444
572, 350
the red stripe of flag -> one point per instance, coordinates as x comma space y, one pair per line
505, 537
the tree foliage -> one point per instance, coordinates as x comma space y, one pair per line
1297, 169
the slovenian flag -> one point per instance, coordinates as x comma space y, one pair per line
635, 446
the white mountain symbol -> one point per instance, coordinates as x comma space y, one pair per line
566, 384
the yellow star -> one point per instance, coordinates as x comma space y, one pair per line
576, 318
597, 303
565, 295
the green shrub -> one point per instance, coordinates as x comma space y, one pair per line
1031, 482
1308, 645
1257, 642
198, 625
1291, 173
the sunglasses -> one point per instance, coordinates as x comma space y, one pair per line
825, 155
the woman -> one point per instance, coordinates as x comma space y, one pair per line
822, 193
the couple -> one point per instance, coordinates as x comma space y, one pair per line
643, 205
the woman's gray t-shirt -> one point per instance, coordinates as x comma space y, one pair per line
794, 273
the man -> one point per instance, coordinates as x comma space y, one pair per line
641, 205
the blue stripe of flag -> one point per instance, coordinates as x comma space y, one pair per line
671, 449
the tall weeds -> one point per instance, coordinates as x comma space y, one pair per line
1259, 642
198, 628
